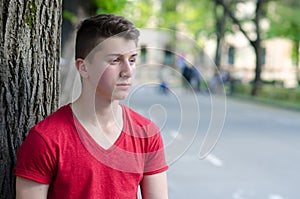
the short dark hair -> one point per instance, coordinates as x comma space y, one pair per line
97, 28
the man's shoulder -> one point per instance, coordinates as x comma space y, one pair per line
142, 126
136, 117
58, 121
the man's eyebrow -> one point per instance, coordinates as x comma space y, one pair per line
114, 55
119, 55
135, 54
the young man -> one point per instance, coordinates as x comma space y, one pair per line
96, 147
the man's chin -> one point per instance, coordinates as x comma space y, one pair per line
121, 96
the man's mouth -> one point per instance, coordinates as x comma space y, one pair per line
124, 85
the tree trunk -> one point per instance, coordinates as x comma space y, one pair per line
257, 48
255, 44
220, 17
296, 47
257, 78
29, 70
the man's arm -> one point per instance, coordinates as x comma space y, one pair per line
27, 189
155, 186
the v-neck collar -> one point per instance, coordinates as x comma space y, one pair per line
90, 143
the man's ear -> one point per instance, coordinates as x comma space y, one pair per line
81, 67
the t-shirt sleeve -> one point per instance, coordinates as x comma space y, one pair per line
155, 157
35, 159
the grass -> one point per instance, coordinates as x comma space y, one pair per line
272, 95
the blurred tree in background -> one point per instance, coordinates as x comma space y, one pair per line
285, 22
255, 42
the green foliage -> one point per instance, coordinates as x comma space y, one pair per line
271, 94
196, 16
69, 16
30, 13
285, 22
285, 19
242, 89
140, 12
112, 6
191, 16
168, 15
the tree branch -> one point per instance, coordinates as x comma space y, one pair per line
235, 20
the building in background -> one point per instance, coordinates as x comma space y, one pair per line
239, 58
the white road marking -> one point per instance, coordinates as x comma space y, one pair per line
214, 160
275, 196
238, 194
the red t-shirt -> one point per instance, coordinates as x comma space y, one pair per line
60, 152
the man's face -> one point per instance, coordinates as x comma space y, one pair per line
111, 68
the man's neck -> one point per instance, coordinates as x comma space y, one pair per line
104, 122
96, 112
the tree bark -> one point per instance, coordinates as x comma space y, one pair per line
220, 29
29, 75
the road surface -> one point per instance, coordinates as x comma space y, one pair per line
256, 153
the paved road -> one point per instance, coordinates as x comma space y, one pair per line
257, 155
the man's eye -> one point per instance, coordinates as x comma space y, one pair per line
115, 61
132, 61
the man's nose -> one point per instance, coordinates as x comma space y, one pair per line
127, 68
